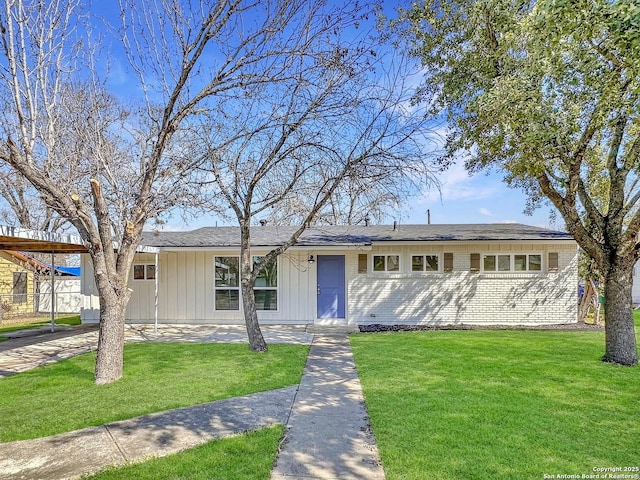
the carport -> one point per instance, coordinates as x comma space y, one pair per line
24, 240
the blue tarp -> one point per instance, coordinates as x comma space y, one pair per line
75, 271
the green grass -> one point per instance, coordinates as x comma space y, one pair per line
66, 320
62, 397
245, 456
636, 317
497, 404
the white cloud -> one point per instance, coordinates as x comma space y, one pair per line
457, 184
485, 212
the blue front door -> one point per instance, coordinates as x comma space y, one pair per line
331, 286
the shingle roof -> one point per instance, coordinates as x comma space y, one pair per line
352, 234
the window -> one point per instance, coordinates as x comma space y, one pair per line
386, 263
496, 263
512, 263
424, 263
144, 272
265, 290
535, 263
19, 287
227, 283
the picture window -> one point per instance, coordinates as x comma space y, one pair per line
265, 291
227, 283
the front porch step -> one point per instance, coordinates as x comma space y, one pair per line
319, 329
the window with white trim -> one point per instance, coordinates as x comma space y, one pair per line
425, 263
265, 290
520, 262
143, 271
227, 283
386, 263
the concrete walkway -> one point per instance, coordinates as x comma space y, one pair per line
327, 435
27, 350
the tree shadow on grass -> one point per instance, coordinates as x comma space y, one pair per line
89, 450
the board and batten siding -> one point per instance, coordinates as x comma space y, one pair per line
186, 290
464, 297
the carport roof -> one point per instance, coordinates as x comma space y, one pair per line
20, 239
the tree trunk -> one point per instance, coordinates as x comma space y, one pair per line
585, 303
114, 295
619, 329
109, 360
256, 339
247, 282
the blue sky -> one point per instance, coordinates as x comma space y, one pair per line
481, 198
462, 198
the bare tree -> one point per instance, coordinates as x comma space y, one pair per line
361, 198
24, 206
340, 122
186, 58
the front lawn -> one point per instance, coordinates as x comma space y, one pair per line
27, 323
158, 376
497, 404
244, 456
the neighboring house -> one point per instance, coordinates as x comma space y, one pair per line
25, 286
17, 281
413, 274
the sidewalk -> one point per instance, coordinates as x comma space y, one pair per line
327, 435
71, 455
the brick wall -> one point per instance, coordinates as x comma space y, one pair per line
461, 296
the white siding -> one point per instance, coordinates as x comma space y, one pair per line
90, 305
186, 288
635, 290
67, 293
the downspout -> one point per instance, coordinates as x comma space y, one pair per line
155, 328
53, 294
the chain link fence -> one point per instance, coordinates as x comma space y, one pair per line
26, 308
